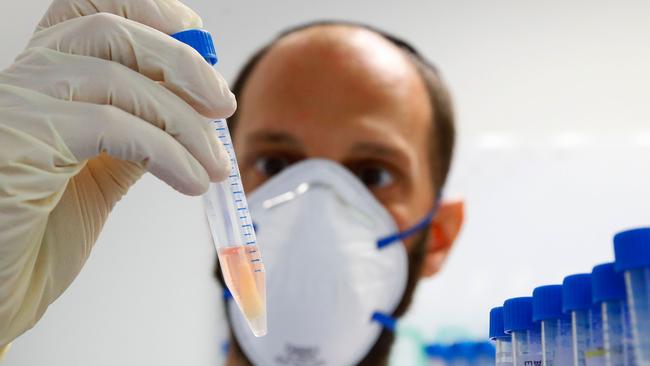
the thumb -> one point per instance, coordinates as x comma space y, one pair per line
85, 130
127, 137
88, 130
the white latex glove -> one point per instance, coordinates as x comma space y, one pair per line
94, 101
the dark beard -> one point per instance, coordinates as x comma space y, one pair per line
378, 354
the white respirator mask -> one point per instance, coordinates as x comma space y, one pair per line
333, 258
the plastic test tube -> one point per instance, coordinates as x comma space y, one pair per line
556, 326
454, 355
586, 324
608, 292
502, 341
526, 337
484, 354
632, 251
462, 354
436, 355
229, 219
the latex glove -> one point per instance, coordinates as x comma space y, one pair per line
93, 102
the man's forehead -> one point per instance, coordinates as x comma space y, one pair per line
342, 50
335, 67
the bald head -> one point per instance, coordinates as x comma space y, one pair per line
339, 67
347, 52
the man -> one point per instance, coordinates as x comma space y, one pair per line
369, 102
72, 143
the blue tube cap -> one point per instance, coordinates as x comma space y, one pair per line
518, 314
607, 284
576, 292
547, 303
485, 349
496, 323
434, 351
463, 350
201, 41
632, 249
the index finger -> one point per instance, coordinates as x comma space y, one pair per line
167, 16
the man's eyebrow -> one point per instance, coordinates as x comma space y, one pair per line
280, 138
371, 148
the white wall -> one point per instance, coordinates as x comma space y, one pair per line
554, 147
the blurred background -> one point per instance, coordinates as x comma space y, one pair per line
553, 158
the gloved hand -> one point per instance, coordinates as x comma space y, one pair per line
94, 101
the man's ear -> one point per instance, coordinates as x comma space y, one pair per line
444, 230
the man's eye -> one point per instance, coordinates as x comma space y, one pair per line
375, 176
271, 165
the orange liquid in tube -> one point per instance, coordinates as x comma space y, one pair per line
245, 280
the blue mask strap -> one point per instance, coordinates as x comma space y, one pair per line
226, 294
385, 320
421, 225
